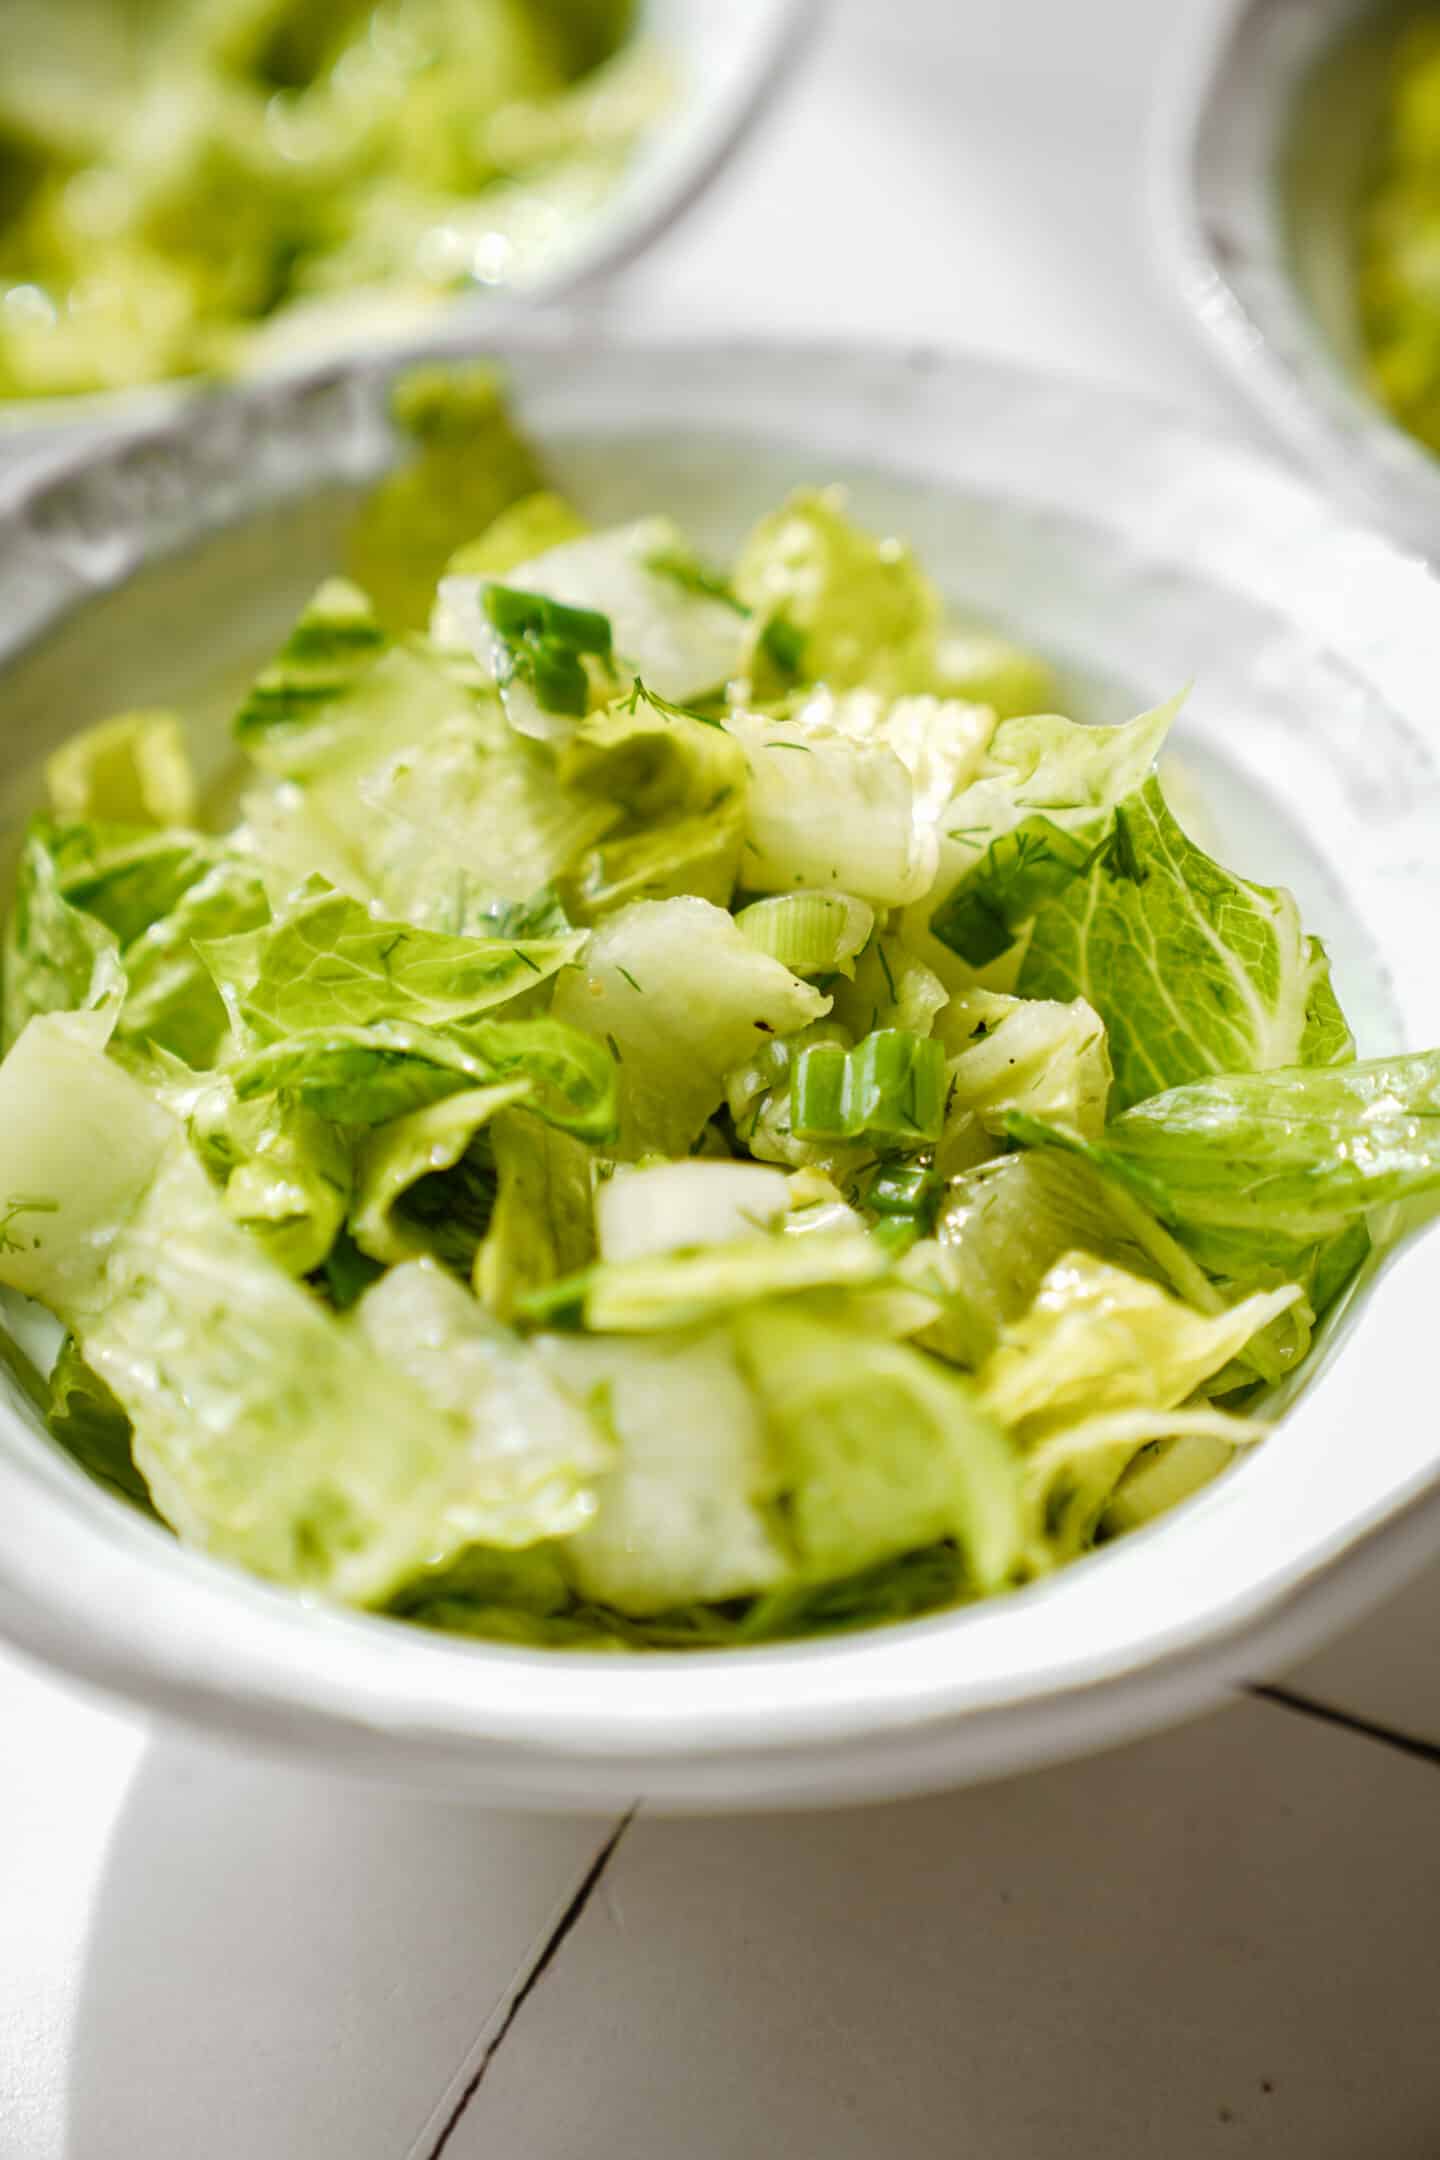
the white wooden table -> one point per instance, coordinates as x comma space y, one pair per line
1221, 1941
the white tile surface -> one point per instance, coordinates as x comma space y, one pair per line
204, 1956
1217, 1942
1388, 1668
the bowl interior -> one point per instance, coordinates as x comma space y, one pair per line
1139, 559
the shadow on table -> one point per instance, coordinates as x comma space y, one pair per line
289, 1966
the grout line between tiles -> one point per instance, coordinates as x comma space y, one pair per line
589, 1884
1366, 1728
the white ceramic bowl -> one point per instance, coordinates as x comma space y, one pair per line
1260, 156
1140, 556
729, 63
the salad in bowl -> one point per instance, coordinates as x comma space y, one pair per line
666, 1102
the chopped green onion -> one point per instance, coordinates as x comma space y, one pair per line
903, 1188
811, 933
783, 646
890, 1088
517, 615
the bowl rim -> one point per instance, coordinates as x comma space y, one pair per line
1231, 274
198, 1639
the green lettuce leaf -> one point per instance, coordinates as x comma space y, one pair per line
652, 1293
880, 1450
534, 1456
309, 703
1039, 1056
470, 464
635, 990
684, 1514
1075, 1480
151, 896
679, 1206
683, 643
830, 814
410, 790
132, 769
1098, 1339
500, 1594
366, 1076
92, 1427
1004, 1225
1029, 822
67, 1182
1256, 1169
679, 786
172, 1003
859, 609
286, 1174
426, 1183
130, 877
542, 1226
1192, 970
891, 987
326, 961
265, 1429
58, 958
941, 742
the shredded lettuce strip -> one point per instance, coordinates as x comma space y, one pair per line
690, 1108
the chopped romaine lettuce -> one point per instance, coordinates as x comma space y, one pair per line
1039, 1056
542, 1225
110, 914
684, 644
686, 1511
880, 1450
470, 466
831, 814
675, 1207
679, 786
1030, 821
326, 961
425, 1183
1256, 1168
636, 992
647, 1295
858, 610
1193, 970
133, 769
621, 1145
58, 958
1096, 1339
286, 1173
1004, 1224
365, 1076
534, 1454
92, 1427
